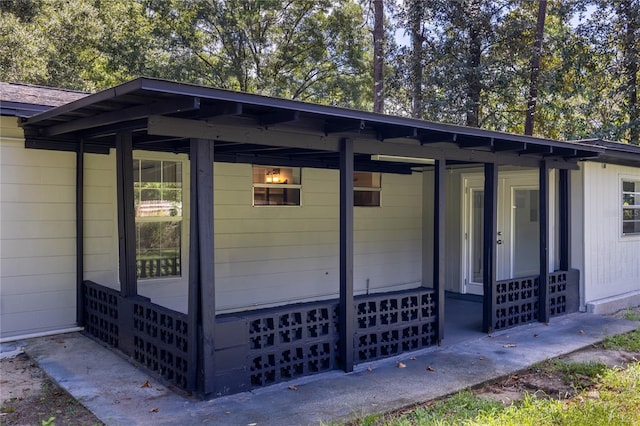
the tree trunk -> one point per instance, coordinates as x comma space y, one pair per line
378, 56
535, 68
415, 17
474, 83
629, 14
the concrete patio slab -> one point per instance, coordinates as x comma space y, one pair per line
116, 391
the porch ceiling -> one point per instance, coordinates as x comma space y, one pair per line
163, 115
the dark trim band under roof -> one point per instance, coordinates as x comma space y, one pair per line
131, 106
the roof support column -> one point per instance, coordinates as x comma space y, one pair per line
126, 215
564, 201
347, 309
439, 207
543, 286
201, 303
80, 233
490, 231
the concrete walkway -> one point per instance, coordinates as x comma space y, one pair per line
114, 390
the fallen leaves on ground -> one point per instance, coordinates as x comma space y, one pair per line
430, 368
401, 365
293, 387
146, 384
509, 345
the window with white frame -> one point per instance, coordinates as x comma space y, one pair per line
366, 189
276, 186
630, 207
157, 186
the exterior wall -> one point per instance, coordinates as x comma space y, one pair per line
271, 255
276, 255
37, 236
611, 262
100, 223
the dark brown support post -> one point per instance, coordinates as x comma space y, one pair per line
80, 234
347, 314
193, 300
126, 215
202, 306
564, 201
489, 245
543, 289
438, 244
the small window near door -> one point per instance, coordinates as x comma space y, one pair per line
276, 186
366, 189
630, 207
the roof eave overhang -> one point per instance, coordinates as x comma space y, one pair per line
172, 110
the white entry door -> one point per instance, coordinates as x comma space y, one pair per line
517, 240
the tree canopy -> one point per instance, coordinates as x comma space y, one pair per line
466, 62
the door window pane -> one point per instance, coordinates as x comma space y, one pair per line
526, 233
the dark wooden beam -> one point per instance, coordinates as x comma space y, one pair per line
111, 129
474, 142
564, 204
341, 126
501, 145
347, 308
434, 136
283, 116
202, 260
127, 114
537, 149
80, 234
439, 203
179, 127
397, 132
126, 216
220, 109
489, 254
543, 290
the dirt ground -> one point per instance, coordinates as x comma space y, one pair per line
29, 397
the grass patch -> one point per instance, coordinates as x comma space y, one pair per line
624, 342
632, 315
613, 400
578, 375
455, 409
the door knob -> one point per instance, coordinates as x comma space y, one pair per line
499, 241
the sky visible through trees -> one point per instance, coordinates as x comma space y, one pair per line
465, 62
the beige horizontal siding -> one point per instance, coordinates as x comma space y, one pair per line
37, 236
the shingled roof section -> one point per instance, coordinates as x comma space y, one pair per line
24, 100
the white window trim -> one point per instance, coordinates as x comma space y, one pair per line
186, 202
627, 178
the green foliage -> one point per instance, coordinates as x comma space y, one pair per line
632, 315
624, 342
470, 63
49, 422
